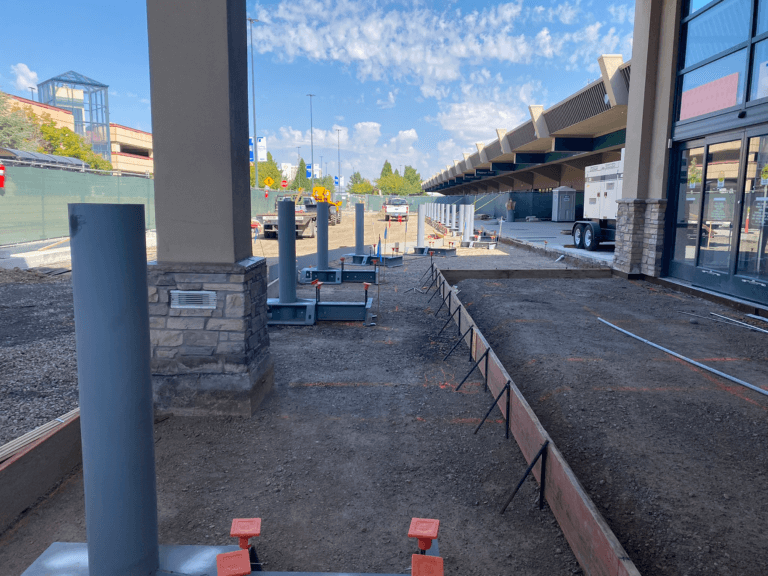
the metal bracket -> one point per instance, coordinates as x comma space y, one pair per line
449, 318
507, 389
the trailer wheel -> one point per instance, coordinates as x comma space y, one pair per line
590, 242
578, 236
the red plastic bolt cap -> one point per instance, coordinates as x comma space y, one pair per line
236, 563
245, 528
366, 285
426, 565
425, 530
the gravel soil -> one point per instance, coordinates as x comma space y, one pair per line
361, 432
673, 456
38, 370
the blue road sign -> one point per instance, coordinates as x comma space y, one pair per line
250, 145
309, 170
336, 180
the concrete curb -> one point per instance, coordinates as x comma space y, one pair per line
10, 259
571, 257
595, 545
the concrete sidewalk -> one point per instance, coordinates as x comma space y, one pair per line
549, 236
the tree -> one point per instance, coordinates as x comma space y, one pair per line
268, 169
362, 187
355, 179
412, 181
19, 128
386, 170
64, 142
301, 180
326, 182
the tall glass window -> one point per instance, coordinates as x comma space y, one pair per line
753, 236
718, 85
719, 28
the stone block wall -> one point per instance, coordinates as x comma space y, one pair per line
640, 236
210, 361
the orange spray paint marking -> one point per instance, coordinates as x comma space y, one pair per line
732, 389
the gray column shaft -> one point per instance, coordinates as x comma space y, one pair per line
109, 280
453, 215
322, 236
468, 225
360, 229
421, 226
286, 246
461, 219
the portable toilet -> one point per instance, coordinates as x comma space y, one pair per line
563, 204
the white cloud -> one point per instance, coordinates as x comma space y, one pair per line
566, 13
390, 101
113, 93
131, 95
144, 100
622, 13
25, 78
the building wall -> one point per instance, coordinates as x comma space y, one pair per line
61, 118
132, 149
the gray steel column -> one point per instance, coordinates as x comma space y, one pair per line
462, 208
420, 226
440, 213
322, 236
360, 229
453, 215
468, 223
286, 246
109, 281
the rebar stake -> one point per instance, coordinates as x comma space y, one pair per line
447, 298
505, 388
449, 318
539, 454
473, 369
458, 342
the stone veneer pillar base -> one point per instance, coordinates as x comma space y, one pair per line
640, 236
210, 361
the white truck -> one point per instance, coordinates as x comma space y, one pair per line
395, 208
602, 188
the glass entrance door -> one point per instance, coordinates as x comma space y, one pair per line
689, 184
720, 196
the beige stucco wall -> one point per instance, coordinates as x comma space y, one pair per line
61, 118
131, 163
130, 136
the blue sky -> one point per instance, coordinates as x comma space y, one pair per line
416, 82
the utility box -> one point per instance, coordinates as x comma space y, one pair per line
602, 188
563, 204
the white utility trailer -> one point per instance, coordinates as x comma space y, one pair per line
602, 188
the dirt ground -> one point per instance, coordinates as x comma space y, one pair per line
673, 456
362, 432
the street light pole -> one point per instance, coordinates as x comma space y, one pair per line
253, 89
338, 151
311, 143
321, 166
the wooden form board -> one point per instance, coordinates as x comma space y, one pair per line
34, 470
589, 536
454, 276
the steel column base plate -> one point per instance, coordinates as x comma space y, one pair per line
421, 250
299, 313
360, 276
345, 311
330, 276
443, 251
390, 261
478, 244
71, 559
357, 259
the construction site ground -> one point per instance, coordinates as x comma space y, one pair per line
363, 430
673, 456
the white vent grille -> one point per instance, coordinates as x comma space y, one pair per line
204, 299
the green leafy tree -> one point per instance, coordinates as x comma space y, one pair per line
301, 180
386, 170
64, 142
412, 181
268, 169
19, 128
326, 182
364, 187
356, 178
